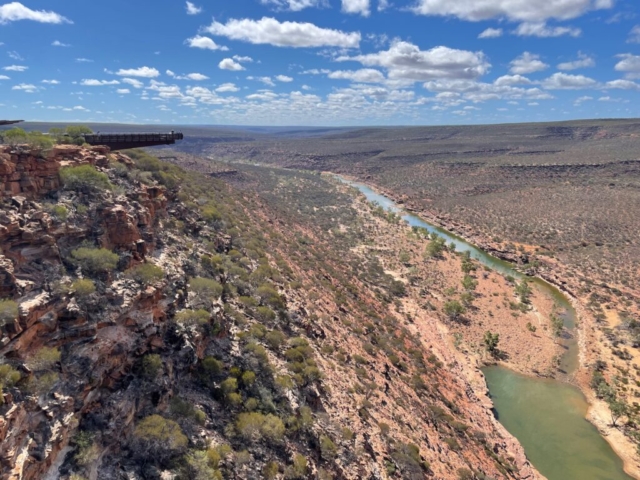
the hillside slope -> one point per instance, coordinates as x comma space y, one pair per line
160, 323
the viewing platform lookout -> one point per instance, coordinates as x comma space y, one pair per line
123, 141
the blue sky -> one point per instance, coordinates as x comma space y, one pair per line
319, 62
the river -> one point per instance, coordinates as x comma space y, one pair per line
547, 416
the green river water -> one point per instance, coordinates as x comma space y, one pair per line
546, 416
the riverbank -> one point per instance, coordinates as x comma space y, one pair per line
598, 412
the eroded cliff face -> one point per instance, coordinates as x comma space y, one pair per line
96, 337
257, 345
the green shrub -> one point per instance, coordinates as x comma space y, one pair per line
557, 325
95, 260
84, 178
197, 466
86, 449
38, 141
9, 376
210, 213
270, 296
160, 434
146, 273
298, 469
212, 366
270, 470
397, 288
60, 212
248, 378
328, 449
42, 383
275, 339
144, 161
248, 302
453, 309
229, 385
193, 317
213, 457
199, 416
234, 399
469, 283
151, 366
181, 407
491, 341
44, 359
407, 457
205, 288
258, 331
254, 426
347, 434
251, 404
435, 247
265, 314
73, 134
14, 136
242, 458
83, 287
8, 311
465, 474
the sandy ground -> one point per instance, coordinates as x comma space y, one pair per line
434, 282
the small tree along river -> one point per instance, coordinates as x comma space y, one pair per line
546, 416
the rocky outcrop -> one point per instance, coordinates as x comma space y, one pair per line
36, 429
28, 173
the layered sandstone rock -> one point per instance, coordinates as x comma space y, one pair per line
30, 173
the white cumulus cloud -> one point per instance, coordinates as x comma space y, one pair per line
25, 87
364, 75
14, 11
133, 82
58, 43
51, 82
145, 72
123, 91
583, 61
527, 63
227, 88
405, 61
193, 9
491, 33
283, 34
230, 64
265, 80
284, 78
564, 81
516, 10
634, 35
629, 64
542, 30
294, 5
512, 80
204, 43
15, 68
622, 85
196, 77
91, 82
361, 7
